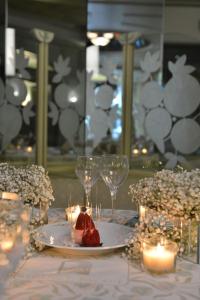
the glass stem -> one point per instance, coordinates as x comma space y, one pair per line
189, 237
87, 198
113, 199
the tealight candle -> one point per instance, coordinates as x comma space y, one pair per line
9, 196
159, 258
142, 212
7, 244
72, 213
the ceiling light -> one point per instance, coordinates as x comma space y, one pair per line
100, 41
108, 35
92, 35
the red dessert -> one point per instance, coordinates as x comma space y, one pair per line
91, 238
84, 221
85, 232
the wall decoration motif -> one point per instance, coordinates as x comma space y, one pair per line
76, 125
12, 113
101, 112
171, 112
68, 109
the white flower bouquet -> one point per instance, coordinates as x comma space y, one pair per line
172, 203
175, 193
31, 183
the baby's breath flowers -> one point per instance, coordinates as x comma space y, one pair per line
172, 201
31, 183
175, 193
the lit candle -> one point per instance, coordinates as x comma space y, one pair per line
9, 196
72, 213
7, 244
142, 213
158, 259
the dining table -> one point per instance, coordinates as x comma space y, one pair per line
56, 274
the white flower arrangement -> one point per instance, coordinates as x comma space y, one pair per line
172, 203
176, 193
31, 183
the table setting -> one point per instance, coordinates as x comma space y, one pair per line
88, 252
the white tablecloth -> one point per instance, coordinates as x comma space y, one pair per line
49, 275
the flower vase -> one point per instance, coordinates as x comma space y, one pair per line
189, 239
39, 214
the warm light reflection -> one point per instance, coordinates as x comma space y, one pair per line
7, 244
25, 237
29, 149
144, 151
135, 151
72, 213
19, 229
142, 213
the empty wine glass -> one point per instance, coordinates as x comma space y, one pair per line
114, 171
87, 170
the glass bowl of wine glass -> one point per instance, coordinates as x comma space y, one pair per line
114, 171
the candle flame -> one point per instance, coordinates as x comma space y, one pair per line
159, 248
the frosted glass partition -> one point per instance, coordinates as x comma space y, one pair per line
171, 112
104, 102
137, 24
62, 119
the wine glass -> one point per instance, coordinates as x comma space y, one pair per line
114, 171
87, 170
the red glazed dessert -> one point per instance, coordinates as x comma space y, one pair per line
84, 221
85, 232
91, 238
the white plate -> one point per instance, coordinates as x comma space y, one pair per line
58, 236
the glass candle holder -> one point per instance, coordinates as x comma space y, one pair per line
159, 256
12, 229
142, 213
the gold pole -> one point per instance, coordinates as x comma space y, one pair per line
45, 108
44, 38
127, 99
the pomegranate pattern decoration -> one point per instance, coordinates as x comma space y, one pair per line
67, 109
13, 106
171, 112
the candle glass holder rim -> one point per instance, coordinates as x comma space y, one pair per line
3, 197
154, 241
